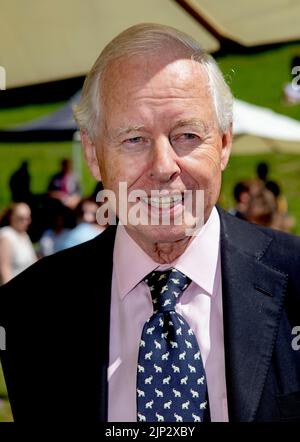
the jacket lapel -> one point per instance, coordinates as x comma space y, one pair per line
98, 285
252, 300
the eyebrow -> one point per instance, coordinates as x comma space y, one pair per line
127, 129
121, 131
190, 122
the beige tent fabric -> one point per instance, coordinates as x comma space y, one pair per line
252, 22
44, 40
250, 145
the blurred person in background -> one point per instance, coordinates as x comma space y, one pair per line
87, 227
16, 250
261, 208
52, 239
19, 184
242, 192
262, 171
64, 185
281, 220
282, 204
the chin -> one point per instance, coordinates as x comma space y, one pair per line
162, 234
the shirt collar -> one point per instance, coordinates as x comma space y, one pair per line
199, 261
131, 263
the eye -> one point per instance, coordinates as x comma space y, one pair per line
134, 140
189, 136
185, 140
135, 144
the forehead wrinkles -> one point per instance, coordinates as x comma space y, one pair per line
152, 84
150, 77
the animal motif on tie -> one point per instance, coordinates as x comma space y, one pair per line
171, 382
159, 393
140, 393
157, 368
176, 393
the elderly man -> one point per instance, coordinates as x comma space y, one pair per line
149, 321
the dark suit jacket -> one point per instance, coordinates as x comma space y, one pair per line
56, 316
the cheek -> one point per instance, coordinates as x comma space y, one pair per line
204, 167
119, 168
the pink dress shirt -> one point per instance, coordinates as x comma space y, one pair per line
200, 305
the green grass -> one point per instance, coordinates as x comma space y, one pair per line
259, 78
2, 383
17, 115
5, 410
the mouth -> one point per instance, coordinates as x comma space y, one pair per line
164, 202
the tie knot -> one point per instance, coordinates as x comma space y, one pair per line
166, 287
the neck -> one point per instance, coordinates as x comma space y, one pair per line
20, 232
162, 252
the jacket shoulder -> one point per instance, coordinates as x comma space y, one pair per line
61, 273
274, 248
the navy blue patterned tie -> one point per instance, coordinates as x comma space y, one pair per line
171, 383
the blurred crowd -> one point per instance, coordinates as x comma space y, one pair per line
261, 201
34, 226
60, 218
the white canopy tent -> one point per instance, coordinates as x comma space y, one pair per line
263, 122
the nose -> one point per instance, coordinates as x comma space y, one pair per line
164, 166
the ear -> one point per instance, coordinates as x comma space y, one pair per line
226, 148
89, 149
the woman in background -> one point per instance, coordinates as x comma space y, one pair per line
16, 250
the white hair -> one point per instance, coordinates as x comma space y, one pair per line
137, 40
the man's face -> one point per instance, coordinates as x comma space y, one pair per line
159, 132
